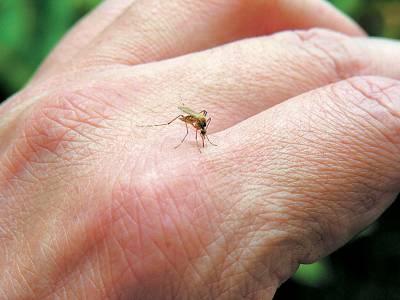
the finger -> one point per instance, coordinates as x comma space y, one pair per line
82, 34
239, 80
154, 30
313, 171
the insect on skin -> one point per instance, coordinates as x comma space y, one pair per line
198, 120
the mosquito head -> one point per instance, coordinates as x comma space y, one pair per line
202, 125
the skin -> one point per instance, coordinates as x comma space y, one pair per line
307, 122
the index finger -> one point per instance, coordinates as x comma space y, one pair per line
152, 30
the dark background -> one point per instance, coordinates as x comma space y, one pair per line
366, 268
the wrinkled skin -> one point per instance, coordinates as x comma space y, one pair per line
307, 124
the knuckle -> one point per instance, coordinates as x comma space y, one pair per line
368, 118
378, 101
332, 50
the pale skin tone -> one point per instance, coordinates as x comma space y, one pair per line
307, 124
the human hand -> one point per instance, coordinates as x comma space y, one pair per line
92, 205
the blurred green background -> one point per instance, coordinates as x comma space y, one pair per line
366, 268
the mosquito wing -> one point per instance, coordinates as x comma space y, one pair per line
188, 111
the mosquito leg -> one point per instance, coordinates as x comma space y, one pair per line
187, 132
172, 120
210, 141
164, 124
204, 112
197, 142
208, 123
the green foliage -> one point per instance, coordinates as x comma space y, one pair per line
377, 17
28, 31
316, 274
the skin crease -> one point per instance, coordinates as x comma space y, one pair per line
94, 206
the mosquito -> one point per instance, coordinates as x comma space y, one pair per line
199, 121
